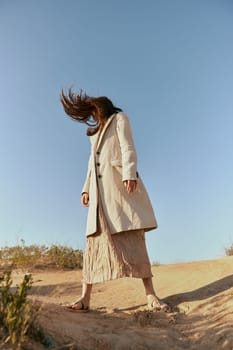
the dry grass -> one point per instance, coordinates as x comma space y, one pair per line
34, 256
229, 250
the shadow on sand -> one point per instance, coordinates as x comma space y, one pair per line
201, 293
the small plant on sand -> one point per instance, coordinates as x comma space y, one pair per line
17, 314
229, 250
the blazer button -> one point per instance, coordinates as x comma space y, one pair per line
98, 164
98, 152
99, 176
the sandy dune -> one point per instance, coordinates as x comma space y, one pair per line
201, 317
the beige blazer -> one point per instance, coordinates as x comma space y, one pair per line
113, 159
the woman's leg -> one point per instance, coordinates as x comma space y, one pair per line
153, 302
86, 293
148, 285
82, 303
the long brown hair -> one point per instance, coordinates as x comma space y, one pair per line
93, 111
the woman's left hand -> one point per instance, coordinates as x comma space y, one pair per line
130, 185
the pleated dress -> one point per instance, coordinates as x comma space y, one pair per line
109, 256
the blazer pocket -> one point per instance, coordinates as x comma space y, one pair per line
116, 162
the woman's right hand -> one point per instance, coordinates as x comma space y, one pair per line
85, 199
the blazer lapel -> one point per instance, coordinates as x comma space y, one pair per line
100, 138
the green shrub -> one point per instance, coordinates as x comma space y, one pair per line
16, 312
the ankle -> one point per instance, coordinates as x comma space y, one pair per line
152, 297
86, 298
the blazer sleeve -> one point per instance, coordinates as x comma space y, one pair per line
128, 151
88, 177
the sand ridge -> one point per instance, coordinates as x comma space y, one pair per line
201, 315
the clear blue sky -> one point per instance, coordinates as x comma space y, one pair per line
169, 65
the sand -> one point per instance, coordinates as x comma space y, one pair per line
201, 315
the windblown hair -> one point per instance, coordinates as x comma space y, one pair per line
93, 111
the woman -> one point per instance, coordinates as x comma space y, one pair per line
119, 208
